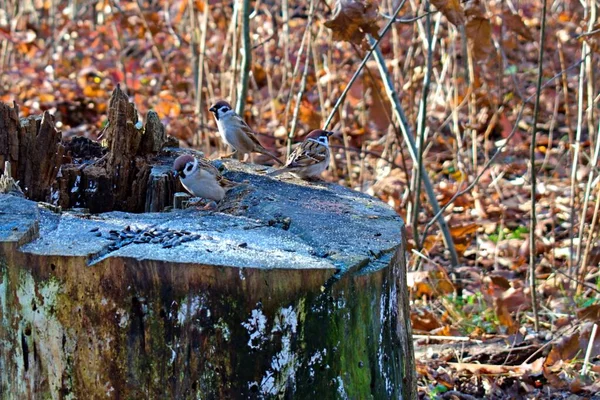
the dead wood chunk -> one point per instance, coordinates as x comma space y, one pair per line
40, 155
160, 189
9, 135
136, 201
88, 187
124, 138
154, 136
97, 189
120, 113
82, 148
7, 183
179, 199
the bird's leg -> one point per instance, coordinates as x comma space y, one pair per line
202, 204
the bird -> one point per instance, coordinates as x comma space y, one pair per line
201, 178
236, 133
309, 159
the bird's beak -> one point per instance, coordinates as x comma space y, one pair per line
212, 109
175, 174
329, 133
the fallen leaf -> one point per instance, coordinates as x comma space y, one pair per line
424, 320
504, 316
591, 313
479, 31
353, 19
463, 236
571, 347
429, 283
451, 9
515, 23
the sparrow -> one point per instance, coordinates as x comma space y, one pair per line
310, 158
236, 133
201, 178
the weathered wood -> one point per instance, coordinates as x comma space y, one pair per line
9, 135
129, 145
292, 290
7, 183
122, 177
87, 186
33, 147
179, 200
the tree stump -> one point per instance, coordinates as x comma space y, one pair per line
291, 290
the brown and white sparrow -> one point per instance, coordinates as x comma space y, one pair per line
201, 178
235, 131
309, 159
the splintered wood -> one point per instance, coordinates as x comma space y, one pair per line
119, 180
33, 147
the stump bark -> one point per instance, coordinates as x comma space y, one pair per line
291, 290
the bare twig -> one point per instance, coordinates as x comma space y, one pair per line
422, 124
533, 218
292, 130
588, 351
412, 149
246, 58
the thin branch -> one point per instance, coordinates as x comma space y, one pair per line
422, 123
412, 149
292, 130
246, 58
533, 218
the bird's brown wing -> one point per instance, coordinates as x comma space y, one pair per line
224, 182
208, 167
258, 147
307, 154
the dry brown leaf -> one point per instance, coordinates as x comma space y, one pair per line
571, 347
423, 320
353, 19
504, 317
591, 313
515, 23
451, 10
463, 236
429, 283
479, 31
446, 330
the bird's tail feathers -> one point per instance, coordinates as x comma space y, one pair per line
277, 172
273, 156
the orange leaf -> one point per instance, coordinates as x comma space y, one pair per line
424, 320
515, 23
429, 283
504, 316
353, 19
451, 10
